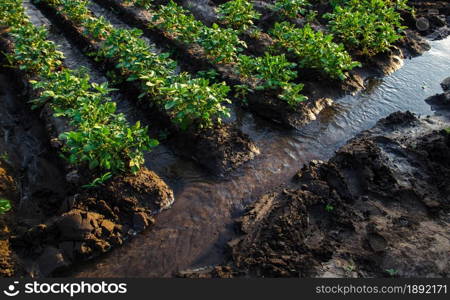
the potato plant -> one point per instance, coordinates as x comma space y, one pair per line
369, 26
198, 98
224, 45
291, 8
314, 49
5, 206
238, 14
273, 72
188, 101
177, 21
100, 137
219, 44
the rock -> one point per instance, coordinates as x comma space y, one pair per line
51, 260
445, 84
377, 242
422, 24
72, 226
73, 177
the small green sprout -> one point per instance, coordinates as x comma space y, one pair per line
5, 205
392, 272
329, 208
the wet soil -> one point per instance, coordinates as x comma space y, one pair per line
194, 232
93, 222
379, 207
85, 224
31, 176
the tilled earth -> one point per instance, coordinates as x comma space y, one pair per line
379, 207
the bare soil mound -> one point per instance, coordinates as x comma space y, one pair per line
379, 207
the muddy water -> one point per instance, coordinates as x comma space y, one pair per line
193, 232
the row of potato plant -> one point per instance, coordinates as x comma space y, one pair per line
314, 49
369, 26
189, 102
99, 136
224, 46
241, 15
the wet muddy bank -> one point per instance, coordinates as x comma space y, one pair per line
441, 101
378, 208
92, 222
194, 231
228, 150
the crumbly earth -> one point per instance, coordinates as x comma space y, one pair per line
92, 222
379, 207
220, 149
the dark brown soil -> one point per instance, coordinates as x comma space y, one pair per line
232, 148
92, 222
441, 101
380, 204
379, 207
